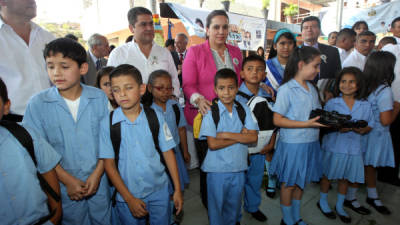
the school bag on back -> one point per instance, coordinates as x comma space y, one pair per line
261, 108
25, 139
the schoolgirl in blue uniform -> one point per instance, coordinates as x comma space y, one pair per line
226, 159
22, 199
296, 160
343, 159
68, 115
379, 73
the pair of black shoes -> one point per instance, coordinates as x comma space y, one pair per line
364, 211
259, 216
331, 215
380, 208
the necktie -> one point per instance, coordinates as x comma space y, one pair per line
181, 57
98, 64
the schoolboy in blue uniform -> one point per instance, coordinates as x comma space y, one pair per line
141, 180
68, 115
253, 73
226, 159
22, 199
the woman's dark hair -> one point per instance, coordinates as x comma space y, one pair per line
379, 70
272, 51
105, 71
358, 74
213, 14
3, 91
147, 98
358, 24
300, 53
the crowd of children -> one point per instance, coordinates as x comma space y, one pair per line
109, 158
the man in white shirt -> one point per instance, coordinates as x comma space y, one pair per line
22, 65
364, 45
345, 42
395, 29
98, 49
142, 52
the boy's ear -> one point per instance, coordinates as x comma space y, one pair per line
142, 89
83, 69
300, 65
7, 106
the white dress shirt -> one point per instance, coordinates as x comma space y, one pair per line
395, 50
159, 58
343, 54
397, 39
355, 59
22, 66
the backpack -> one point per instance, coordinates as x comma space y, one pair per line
25, 139
154, 125
261, 108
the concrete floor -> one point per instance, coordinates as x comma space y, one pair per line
195, 214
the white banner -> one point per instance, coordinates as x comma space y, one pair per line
248, 33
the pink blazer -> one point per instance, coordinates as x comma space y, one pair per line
198, 73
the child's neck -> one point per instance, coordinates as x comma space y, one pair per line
163, 105
229, 106
349, 100
72, 93
132, 113
302, 82
282, 60
253, 88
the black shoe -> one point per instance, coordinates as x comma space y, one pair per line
381, 209
283, 222
270, 192
360, 210
329, 215
344, 219
238, 223
259, 216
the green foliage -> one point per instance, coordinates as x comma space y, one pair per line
291, 10
265, 4
60, 30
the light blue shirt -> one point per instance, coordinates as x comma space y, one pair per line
243, 88
21, 198
139, 162
170, 118
295, 103
234, 157
381, 100
349, 142
77, 142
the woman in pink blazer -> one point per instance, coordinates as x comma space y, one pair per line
200, 66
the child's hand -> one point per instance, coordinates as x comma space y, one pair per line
268, 89
178, 201
76, 189
269, 147
186, 156
244, 131
137, 207
361, 131
313, 122
344, 130
92, 183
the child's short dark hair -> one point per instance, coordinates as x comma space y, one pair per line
103, 72
127, 70
253, 58
225, 74
358, 74
156, 74
397, 19
366, 33
68, 48
3, 91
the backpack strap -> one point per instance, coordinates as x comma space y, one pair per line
248, 97
241, 112
23, 136
177, 114
115, 135
215, 112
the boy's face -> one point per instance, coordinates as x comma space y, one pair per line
64, 72
4, 108
253, 72
365, 44
226, 90
127, 91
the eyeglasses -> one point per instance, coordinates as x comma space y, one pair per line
161, 88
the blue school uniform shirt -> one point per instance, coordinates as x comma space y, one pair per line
381, 101
170, 118
77, 142
234, 157
21, 198
349, 142
243, 88
295, 103
139, 162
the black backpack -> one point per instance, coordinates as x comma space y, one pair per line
154, 125
25, 139
261, 111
